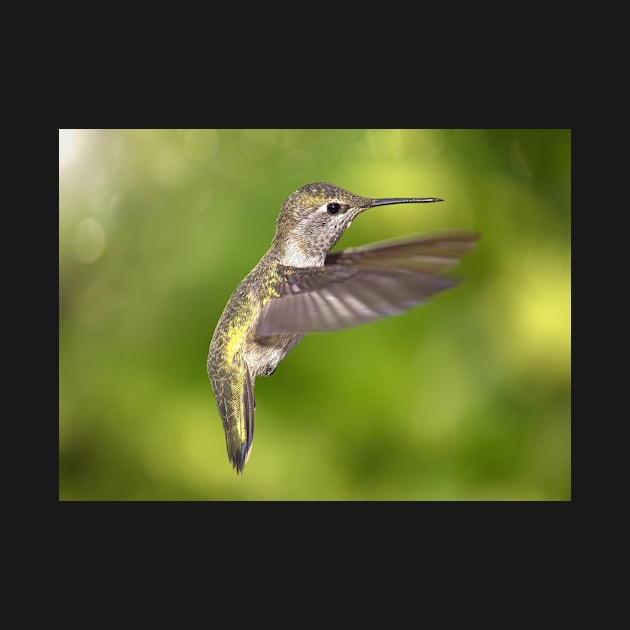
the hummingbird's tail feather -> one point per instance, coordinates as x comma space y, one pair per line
363, 284
234, 391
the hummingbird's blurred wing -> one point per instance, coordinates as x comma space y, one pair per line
363, 284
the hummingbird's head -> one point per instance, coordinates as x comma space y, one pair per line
315, 216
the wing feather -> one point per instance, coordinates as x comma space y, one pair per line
364, 284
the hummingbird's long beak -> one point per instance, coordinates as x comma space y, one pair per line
392, 200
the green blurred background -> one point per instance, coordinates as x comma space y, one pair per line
466, 398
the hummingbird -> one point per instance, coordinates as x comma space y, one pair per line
300, 286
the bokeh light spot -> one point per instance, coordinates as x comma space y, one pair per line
258, 144
89, 241
68, 145
200, 145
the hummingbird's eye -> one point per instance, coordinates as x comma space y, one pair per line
333, 207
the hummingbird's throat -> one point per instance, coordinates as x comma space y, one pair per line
300, 252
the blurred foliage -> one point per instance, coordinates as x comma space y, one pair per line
467, 398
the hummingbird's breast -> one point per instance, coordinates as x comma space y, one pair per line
235, 338
263, 354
